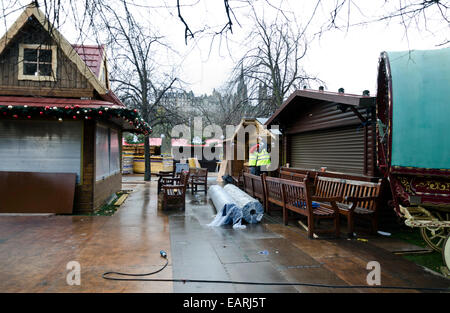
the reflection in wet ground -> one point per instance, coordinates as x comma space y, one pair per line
272, 252
34, 251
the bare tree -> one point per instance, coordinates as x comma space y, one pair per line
221, 108
137, 78
272, 67
411, 14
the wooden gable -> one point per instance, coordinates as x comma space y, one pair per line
71, 76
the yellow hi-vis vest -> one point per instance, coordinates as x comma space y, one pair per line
263, 158
252, 158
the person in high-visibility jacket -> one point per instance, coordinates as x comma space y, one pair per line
263, 159
253, 156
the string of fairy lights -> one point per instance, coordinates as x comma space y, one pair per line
76, 112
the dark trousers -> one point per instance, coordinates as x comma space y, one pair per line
255, 170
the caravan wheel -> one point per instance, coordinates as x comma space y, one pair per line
446, 252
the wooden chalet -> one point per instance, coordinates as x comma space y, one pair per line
236, 154
331, 130
60, 123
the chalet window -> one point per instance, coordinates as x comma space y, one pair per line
107, 152
37, 62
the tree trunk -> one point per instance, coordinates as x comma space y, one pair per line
148, 168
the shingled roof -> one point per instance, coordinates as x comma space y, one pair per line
92, 55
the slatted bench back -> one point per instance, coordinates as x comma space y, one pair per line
329, 187
296, 196
354, 188
184, 179
293, 176
248, 184
273, 188
335, 187
258, 188
253, 185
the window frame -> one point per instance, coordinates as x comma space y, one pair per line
21, 60
111, 172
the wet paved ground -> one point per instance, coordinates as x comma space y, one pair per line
34, 252
272, 252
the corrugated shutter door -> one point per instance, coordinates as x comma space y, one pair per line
340, 150
40, 146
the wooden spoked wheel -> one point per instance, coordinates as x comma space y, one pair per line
436, 236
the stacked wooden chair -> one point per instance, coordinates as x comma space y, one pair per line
198, 177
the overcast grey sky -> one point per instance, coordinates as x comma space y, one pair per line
342, 58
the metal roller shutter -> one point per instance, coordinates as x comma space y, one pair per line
40, 146
340, 150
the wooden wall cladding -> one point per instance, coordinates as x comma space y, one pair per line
32, 192
69, 81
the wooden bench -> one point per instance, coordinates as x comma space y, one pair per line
175, 189
164, 174
253, 185
310, 177
238, 181
297, 198
357, 198
293, 176
273, 193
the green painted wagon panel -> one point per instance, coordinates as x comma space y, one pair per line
421, 108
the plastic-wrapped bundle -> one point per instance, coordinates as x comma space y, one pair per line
219, 197
227, 211
230, 214
252, 209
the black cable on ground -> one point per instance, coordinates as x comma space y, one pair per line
162, 253
175, 280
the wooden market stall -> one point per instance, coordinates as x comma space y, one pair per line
334, 131
133, 158
60, 123
195, 154
236, 147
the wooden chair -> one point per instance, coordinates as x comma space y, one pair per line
297, 198
198, 177
175, 189
357, 198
